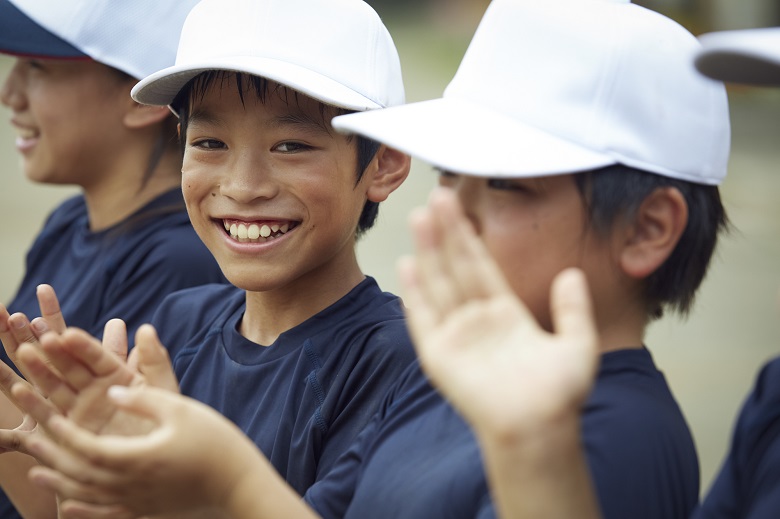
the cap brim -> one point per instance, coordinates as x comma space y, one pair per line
747, 56
21, 36
460, 137
162, 87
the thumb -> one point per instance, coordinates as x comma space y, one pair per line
151, 359
144, 401
115, 338
572, 310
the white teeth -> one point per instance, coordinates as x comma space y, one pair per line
242, 232
265, 231
26, 134
254, 232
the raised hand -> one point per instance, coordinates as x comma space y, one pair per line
476, 340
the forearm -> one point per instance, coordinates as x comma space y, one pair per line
263, 494
31, 501
540, 473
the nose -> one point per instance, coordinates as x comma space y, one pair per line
250, 178
11, 92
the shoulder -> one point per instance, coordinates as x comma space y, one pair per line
637, 441
748, 484
192, 314
69, 211
201, 301
632, 403
368, 323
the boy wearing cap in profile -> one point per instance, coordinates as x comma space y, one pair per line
301, 349
575, 134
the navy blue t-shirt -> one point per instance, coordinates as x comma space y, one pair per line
304, 398
748, 485
124, 271
419, 459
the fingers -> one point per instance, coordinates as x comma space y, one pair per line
73, 509
151, 359
89, 351
6, 336
467, 260
115, 338
571, 307
451, 265
13, 440
114, 453
18, 332
57, 479
8, 378
39, 371
50, 309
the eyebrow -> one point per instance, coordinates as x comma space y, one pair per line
201, 116
300, 120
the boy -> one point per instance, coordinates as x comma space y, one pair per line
301, 349
124, 243
748, 484
574, 134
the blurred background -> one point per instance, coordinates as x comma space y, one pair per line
711, 358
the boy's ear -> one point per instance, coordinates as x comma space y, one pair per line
387, 171
657, 227
140, 116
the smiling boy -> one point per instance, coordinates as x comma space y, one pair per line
300, 351
303, 346
574, 134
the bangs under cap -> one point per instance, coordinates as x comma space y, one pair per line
746, 56
560, 86
134, 36
336, 51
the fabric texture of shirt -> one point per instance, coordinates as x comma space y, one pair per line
419, 459
124, 271
304, 398
748, 484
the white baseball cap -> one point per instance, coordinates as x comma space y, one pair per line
560, 86
744, 56
134, 36
336, 51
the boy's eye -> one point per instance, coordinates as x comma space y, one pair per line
446, 178
33, 64
209, 144
505, 184
291, 147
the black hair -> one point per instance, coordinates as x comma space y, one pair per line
166, 136
200, 84
616, 192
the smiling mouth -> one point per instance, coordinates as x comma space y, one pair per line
254, 232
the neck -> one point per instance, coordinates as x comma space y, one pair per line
115, 196
270, 313
621, 328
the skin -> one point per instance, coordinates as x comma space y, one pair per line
77, 124
278, 162
272, 163
536, 227
456, 279
157, 472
